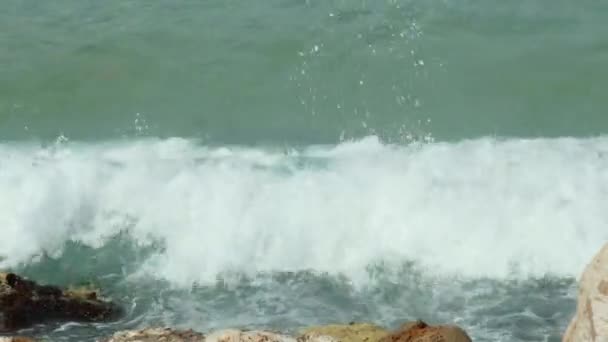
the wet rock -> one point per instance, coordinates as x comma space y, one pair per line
316, 338
24, 302
361, 332
232, 335
172, 335
419, 331
354, 332
156, 334
82, 293
16, 339
590, 323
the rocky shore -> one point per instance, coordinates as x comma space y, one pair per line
24, 302
354, 332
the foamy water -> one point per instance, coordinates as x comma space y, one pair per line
478, 208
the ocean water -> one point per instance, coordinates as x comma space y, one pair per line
285, 163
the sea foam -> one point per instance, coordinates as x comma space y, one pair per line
478, 208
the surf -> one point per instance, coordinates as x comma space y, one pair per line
496, 208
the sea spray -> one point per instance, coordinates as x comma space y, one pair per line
478, 208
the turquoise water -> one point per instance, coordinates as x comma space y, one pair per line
291, 71
216, 164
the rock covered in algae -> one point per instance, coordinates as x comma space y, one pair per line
24, 302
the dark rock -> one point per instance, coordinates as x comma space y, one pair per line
27, 286
24, 302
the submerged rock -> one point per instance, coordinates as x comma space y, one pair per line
590, 323
16, 339
354, 332
24, 302
419, 331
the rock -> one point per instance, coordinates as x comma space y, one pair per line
354, 332
412, 332
156, 334
419, 331
590, 323
24, 302
81, 292
16, 339
172, 335
316, 338
232, 335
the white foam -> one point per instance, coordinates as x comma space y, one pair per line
474, 208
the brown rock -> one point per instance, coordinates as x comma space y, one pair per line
413, 332
354, 332
16, 339
590, 323
24, 302
419, 331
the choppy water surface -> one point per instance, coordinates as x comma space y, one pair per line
216, 164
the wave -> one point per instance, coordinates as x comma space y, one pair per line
478, 208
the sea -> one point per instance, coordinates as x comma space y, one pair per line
278, 164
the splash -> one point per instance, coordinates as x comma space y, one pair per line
479, 208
